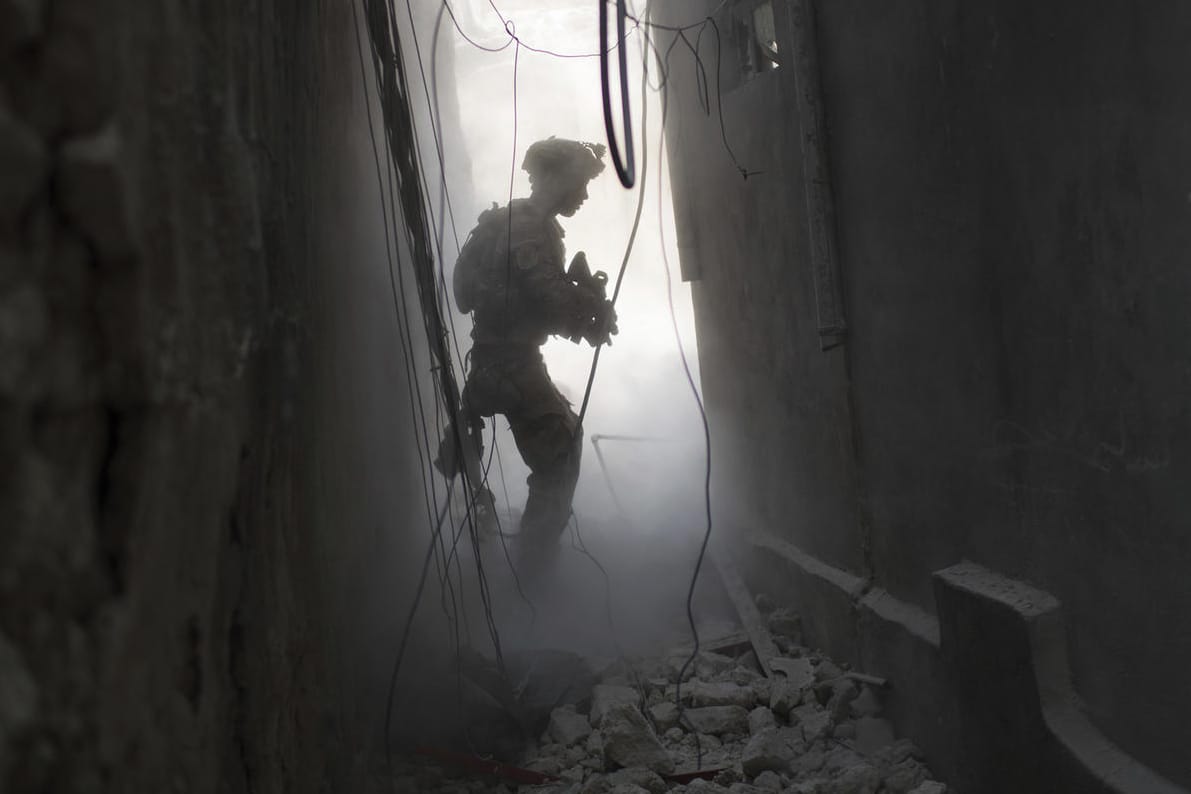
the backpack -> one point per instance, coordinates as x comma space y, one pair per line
471, 277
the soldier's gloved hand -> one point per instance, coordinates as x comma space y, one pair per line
603, 325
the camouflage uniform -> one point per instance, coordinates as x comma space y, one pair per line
523, 298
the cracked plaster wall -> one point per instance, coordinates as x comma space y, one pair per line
1010, 186
206, 474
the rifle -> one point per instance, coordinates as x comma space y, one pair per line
603, 323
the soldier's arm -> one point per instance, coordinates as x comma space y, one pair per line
564, 308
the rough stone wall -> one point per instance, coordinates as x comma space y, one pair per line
207, 475
1010, 181
783, 434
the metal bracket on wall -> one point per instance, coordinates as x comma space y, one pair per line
820, 203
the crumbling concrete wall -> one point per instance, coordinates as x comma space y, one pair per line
1010, 183
208, 478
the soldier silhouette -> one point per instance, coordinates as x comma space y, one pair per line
510, 276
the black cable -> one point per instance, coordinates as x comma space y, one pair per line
394, 101
445, 198
513, 37
719, 102
500, 467
401, 304
509, 206
432, 308
647, 22
701, 83
628, 250
469, 39
581, 547
625, 169
405, 345
706, 438
435, 120
404, 642
434, 549
411, 376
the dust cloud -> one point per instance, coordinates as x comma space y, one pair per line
641, 509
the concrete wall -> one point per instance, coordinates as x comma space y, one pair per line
1011, 193
209, 488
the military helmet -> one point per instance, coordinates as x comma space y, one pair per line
555, 155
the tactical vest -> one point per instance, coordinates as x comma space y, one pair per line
472, 278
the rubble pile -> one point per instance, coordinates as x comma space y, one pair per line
810, 727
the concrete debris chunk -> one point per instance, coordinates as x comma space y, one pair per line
839, 704
822, 734
866, 704
771, 750
729, 775
716, 720
604, 696
813, 786
784, 697
745, 788
629, 741
707, 665
844, 731
840, 759
568, 727
743, 675
720, 694
905, 777
641, 777
799, 673
860, 779
573, 774
762, 689
664, 715
785, 623
546, 765
808, 763
594, 744
710, 665
827, 670
898, 752
627, 788
769, 781
873, 734
596, 784
813, 722
761, 719
931, 787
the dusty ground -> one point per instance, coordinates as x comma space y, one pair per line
811, 727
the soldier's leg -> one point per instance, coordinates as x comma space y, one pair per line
551, 448
545, 430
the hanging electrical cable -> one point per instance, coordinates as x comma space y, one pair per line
405, 167
626, 167
690, 598
628, 251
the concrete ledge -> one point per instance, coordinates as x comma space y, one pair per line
1005, 649
984, 688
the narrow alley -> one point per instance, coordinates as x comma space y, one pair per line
595, 397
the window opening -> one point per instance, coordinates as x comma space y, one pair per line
756, 37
